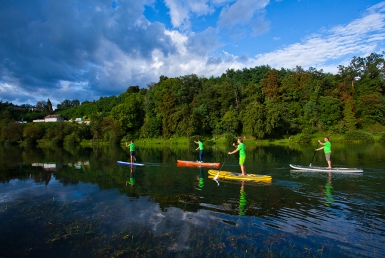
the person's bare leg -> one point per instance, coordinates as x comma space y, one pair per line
243, 170
330, 163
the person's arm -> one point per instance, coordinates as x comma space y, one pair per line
320, 147
234, 151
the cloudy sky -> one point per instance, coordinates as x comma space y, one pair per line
87, 49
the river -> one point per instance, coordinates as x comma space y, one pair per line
77, 202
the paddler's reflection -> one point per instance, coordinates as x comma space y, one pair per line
131, 181
328, 190
242, 199
200, 179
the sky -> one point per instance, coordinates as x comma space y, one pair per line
87, 49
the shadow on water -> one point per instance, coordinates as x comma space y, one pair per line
78, 202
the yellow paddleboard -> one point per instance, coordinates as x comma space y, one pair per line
237, 176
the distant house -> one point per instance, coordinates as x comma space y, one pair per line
79, 120
38, 120
50, 118
53, 118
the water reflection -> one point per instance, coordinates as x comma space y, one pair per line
131, 181
242, 199
328, 190
200, 179
79, 198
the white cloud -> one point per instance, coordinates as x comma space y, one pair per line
179, 13
362, 35
241, 12
115, 48
182, 10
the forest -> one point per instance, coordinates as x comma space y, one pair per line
260, 102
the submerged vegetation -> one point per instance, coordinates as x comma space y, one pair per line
260, 103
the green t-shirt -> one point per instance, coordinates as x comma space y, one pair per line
201, 147
242, 150
132, 146
327, 147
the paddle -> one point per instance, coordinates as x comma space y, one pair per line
313, 156
217, 175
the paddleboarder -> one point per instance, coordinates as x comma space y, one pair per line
201, 149
242, 154
132, 151
327, 150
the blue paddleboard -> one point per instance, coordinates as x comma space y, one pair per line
124, 163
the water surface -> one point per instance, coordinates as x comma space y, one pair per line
78, 203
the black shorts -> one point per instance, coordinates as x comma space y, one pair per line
132, 153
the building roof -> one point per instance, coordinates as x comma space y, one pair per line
52, 116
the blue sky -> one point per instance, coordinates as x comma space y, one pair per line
87, 49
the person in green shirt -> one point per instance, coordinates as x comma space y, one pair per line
242, 154
201, 149
132, 150
327, 147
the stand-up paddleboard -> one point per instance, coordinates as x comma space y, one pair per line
237, 176
325, 169
124, 163
197, 164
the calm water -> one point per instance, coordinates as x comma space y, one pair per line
79, 203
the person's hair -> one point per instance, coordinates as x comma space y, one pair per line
327, 138
132, 140
240, 139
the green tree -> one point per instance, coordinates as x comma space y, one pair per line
371, 108
152, 122
48, 107
329, 109
96, 127
273, 113
167, 108
310, 113
230, 122
270, 84
130, 114
253, 119
32, 133
349, 119
12, 132
293, 85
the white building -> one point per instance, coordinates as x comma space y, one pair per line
50, 118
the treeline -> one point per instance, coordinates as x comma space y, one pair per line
261, 102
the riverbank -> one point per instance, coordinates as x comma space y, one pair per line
251, 141
223, 141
